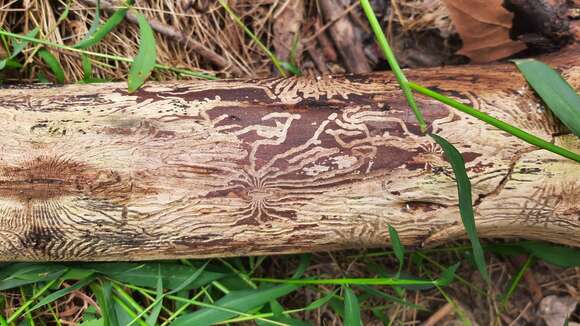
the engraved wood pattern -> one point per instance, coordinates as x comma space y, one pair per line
238, 167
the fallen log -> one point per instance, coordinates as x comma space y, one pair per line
252, 167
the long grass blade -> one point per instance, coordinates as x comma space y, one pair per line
175, 276
144, 62
446, 278
558, 95
17, 46
515, 131
554, 254
397, 248
465, 202
158, 304
516, 280
390, 56
253, 36
54, 65
184, 72
97, 33
351, 308
243, 300
62, 292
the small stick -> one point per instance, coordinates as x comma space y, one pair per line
344, 35
441, 313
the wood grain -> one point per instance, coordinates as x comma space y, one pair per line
251, 167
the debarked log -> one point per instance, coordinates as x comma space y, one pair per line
269, 166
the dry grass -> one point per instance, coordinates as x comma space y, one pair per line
209, 25
203, 21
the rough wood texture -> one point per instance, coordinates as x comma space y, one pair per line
199, 169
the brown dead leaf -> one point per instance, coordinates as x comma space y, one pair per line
484, 27
287, 23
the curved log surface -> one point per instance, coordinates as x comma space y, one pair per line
249, 167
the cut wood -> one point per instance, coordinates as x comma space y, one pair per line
252, 167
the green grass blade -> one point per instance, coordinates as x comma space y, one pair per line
458, 311
380, 314
527, 137
320, 302
12, 271
93, 322
77, 274
184, 72
88, 71
259, 42
54, 65
144, 62
392, 281
174, 275
33, 274
302, 266
24, 306
87, 67
397, 248
12, 64
124, 313
447, 276
95, 35
279, 316
372, 291
465, 202
17, 46
190, 280
516, 280
62, 292
127, 307
293, 69
349, 281
351, 308
96, 21
390, 56
158, 304
554, 254
242, 301
337, 306
558, 95
104, 296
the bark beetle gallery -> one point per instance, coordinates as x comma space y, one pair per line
237, 167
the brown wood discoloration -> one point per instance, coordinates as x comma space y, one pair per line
199, 169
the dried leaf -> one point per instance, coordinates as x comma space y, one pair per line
484, 27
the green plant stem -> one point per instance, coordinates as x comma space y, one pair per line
456, 307
25, 306
103, 55
349, 281
128, 310
527, 137
516, 280
264, 48
200, 304
390, 56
